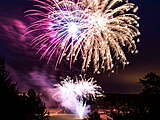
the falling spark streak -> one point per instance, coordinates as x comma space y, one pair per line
72, 94
96, 29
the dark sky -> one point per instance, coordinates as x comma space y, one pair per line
123, 81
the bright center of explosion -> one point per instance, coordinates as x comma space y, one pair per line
98, 21
72, 29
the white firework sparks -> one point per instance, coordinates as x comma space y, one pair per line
98, 30
72, 94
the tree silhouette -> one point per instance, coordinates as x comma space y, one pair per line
34, 107
14, 106
151, 84
94, 115
8, 93
151, 93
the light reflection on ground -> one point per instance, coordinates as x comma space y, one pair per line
62, 117
59, 114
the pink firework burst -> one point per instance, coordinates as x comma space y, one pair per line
96, 29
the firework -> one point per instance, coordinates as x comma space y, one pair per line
72, 94
96, 30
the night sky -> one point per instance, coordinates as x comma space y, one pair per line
23, 63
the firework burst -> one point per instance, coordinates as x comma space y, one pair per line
72, 94
82, 87
98, 30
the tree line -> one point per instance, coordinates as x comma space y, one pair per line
19, 106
